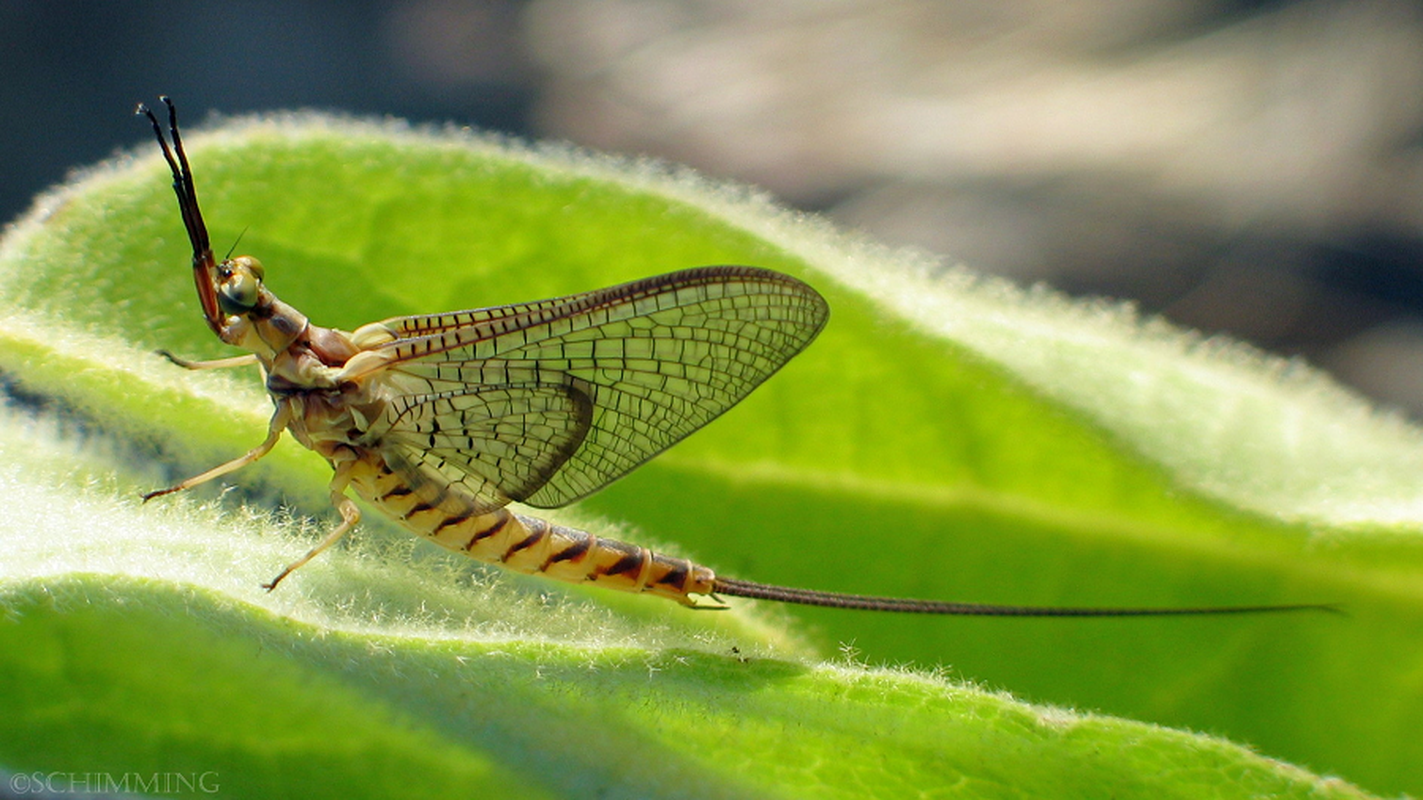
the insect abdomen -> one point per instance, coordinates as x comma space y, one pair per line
528, 544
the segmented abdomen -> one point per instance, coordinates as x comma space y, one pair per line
443, 514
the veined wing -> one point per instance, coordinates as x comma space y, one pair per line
547, 402
500, 443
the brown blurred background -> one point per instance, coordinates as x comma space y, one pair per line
1243, 168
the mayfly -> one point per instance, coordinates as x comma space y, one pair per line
441, 421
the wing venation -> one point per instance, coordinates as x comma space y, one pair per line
547, 402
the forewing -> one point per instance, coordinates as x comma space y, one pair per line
655, 359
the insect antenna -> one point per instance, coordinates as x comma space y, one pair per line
810, 597
235, 242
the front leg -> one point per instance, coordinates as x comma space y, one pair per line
217, 363
274, 432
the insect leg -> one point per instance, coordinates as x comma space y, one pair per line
350, 515
274, 432
219, 363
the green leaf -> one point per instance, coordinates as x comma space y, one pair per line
947, 437
149, 651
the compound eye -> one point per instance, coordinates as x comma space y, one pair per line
253, 266
238, 292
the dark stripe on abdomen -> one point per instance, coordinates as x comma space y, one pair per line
399, 491
455, 520
528, 541
488, 532
627, 563
571, 552
675, 578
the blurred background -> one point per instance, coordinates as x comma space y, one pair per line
1243, 168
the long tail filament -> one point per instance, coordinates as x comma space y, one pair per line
810, 597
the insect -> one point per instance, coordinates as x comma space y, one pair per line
441, 421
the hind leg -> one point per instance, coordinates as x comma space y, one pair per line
350, 515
